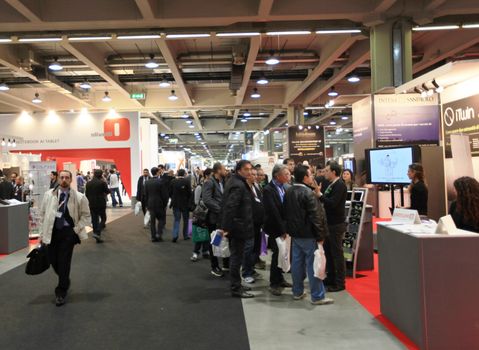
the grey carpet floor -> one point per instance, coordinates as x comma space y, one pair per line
127, 293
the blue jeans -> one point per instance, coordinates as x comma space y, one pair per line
113, 199
302, 263
249, 258
178, 213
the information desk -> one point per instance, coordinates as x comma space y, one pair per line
429, 286
13, 227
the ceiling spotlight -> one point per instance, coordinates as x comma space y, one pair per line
3, 141
189, 122
246, 114
272, 59
162, 134
255, 93
244, 120
185, 115
332, 122
417, 90
55, 65
37, 98
300, 127
266, 132
164, 83
317, 127
438, 87
353, 79
4, 87
172, 97
262, 81
344, 117
332, 92
85, 85
151, 63
106, 98
191, 126
429, 92
14, 144
9, 144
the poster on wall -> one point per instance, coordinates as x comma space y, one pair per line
306, 145
362, 131
406, 119
462, 118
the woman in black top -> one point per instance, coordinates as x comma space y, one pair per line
417, 188
348, 178
465, 209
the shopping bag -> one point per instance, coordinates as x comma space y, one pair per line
284, 247
264, 244
222, 250
146, 219
137, 208
38, 261
319, 264
200, 234
216, 238
190, 227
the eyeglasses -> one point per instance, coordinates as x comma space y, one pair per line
64, 177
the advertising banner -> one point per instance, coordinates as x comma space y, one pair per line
406, 119
362, 130
306, 144
462, 117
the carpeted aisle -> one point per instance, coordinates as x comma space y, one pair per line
127, 293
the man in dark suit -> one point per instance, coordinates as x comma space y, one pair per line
96, 192
7, 190
275, 224
334, 199
140, 189
180, 202
156, 197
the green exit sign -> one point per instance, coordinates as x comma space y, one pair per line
138, 96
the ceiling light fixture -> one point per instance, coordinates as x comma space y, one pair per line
332, 122
262, 81
332, 92
354, 79
426, 28
417, 90
255, 93
85, 85
5, 40
300, 127
438, 87
145, 36
89, 38
238, 34
38, 40
246, 114
344, 117
187, 36
173, 96
164, 83
55, 65
465, 26
162, 134
290, 32
3, 141
4, 87
37, 98
244, 120
152, 64
338, 31
14, 143
272, 59
106, 97
191, 126
185, 115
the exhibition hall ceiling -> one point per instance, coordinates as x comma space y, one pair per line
211, 55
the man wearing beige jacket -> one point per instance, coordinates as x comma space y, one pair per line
65, 214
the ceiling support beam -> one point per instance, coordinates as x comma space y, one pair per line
145, 7
250, 60
167, 54
331, 52
434, 4
446, 46
324, 117
159, 121
24, 11
384, 5
359, 53
264, 8
272, 117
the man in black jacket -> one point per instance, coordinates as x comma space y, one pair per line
96, 192
306, 223
334, 200
156, 197
140, 189
212, 194
237, 222
7, 190
180, 202
275, 224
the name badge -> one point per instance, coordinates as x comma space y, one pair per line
257, 200
58, 214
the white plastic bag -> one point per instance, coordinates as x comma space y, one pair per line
319, 264
137, 208
223, 249
146, 219
284, 247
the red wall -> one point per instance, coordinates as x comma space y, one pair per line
120, 156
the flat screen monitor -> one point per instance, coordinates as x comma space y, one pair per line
348, 163
390, 165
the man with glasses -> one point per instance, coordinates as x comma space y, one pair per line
65, 215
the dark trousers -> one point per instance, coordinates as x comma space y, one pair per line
203, 247
113, 199
257, 243
143, 206
178, 213
333, 248
157, 223
214, 259
276, 274
98, 219
251, 252
60, 253
236, 258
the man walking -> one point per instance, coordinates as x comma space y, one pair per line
275, 224
140, 189
65, 214
237, 223
114, 182
96, 192
334, 200
180, 202
156, 197
306, 223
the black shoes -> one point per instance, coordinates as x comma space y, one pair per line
97, 238
216, 271
59, 301
285, 284
174, 240
241, 293
186, 238
333, 289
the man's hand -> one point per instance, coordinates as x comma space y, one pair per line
320, 242
317, 188
223, 233
284, 236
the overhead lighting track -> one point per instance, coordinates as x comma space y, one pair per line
142, 36
187, 36
39, 40
238, 34
290, 32
442, 27
89, 38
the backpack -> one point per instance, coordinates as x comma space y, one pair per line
200, 213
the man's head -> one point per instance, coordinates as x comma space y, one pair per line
302, 174
253, 178
146, 172
260, 175
98, 173
333, 171
65, 178
112, 171
181, 172
161, 169
53, 176
207, 173
13, 176
243, 168
19, 180
154, 171
281, 173
289, 162
219, 169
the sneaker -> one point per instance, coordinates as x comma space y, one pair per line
299, 297
194, 257
217, 272
324, 301
226, 268
249, 279
97, 238
59, 301
277, 291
